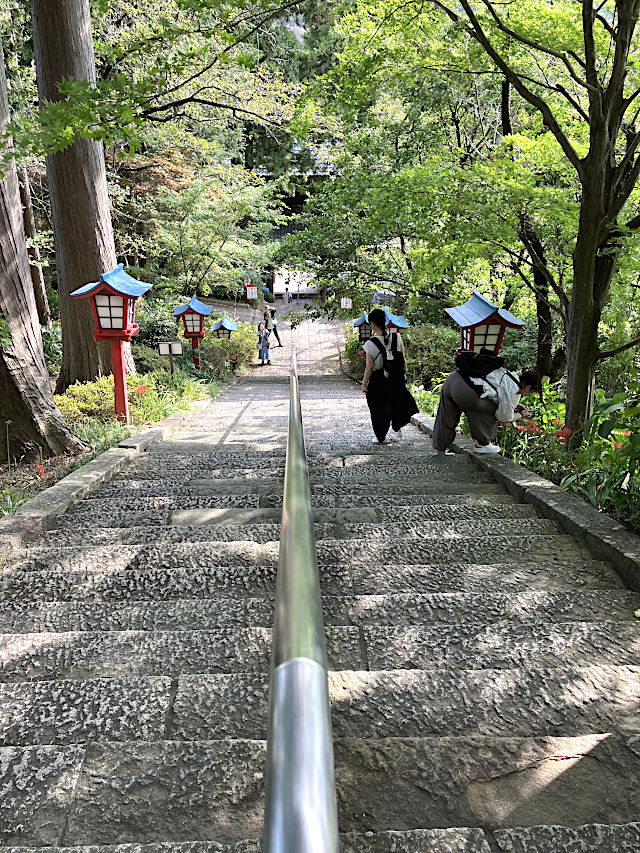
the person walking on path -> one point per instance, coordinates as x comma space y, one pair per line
263, 344
389, 401
487, 402
286, 296
270, 317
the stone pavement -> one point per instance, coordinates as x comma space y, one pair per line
484, 667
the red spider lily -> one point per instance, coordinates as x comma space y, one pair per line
562, 440
40, 470
564, 433
520, 428
626, 432
233, 358
529, 423
617, 445
141, 389
534, 430
556, 422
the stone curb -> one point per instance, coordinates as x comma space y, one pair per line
606, 538
34, 515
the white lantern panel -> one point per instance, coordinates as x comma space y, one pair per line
163, 348
492, 340
494, 329
176, 348
110, 310
192, 322
131, 312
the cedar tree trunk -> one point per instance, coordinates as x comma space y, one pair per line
30, 423
77, 179
39, 290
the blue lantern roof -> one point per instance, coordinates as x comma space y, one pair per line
478, 310
225, 323
117, 280
360, 321
395, 319
194, 304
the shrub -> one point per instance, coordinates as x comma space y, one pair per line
355, 355
148, 360
430, 352
268, 296
154, 317
227, 355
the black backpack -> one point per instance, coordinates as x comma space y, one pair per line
477, 365
393, 368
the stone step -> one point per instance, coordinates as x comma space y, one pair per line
502, 646
398, 703
92, 654
165, 791
454, 840
403, 609
436, 515
552, 549
261, 532
418, 703
171, 584
589, 838
127, 654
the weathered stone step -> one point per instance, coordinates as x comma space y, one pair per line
223, 531
420, 703
398, 703
502, 646
590, 838
156, 584
479, 549
92, 654
349, 552
403, 609
125, 654
114, 792
436, 514
454, 840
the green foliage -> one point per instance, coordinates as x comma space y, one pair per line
52, 344
429, 352
5, 335
150, 398
149, 360
224, 356
355, 355
11, 499
154, 317
101, 435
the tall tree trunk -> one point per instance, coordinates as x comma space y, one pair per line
29, 420
77, 179
39, 290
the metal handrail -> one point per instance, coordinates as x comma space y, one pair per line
300, 809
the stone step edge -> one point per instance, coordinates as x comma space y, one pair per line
592, 838
606, 538
35, 514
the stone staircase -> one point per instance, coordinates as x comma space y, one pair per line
484, 668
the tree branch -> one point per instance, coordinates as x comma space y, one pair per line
541, 105
634, 343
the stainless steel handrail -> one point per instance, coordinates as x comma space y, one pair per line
300, 810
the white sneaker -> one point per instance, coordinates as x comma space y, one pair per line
397, 434
487, 448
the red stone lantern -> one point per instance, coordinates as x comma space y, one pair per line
482, 324
113, 302
193, 314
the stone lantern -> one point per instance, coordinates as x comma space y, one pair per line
113, 302
482, 324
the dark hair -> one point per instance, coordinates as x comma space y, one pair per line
378, 317
533, 379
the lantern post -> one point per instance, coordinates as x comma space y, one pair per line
193, 315
482, 324
224, 328
113, 303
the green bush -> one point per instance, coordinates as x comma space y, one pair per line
355, 355
148, 360
227, 355
429, 352
151, 397
268, 296
156, 321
